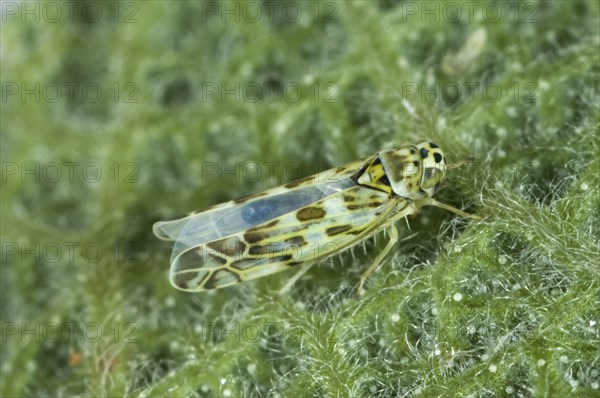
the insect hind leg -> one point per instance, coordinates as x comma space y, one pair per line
293, 280
393, 239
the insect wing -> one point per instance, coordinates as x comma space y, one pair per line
302, 236
210, 226
212, 220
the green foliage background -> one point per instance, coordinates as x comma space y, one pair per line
506, 306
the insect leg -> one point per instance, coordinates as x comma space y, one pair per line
432, 202
393, 239
289, 283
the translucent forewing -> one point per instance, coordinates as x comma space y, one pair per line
326, 182
197, 235
210, 226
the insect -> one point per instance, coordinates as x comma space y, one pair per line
305, 221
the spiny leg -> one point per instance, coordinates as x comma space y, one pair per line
393, 239
289, 283
432, 202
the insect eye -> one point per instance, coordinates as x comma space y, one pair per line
431, 177
437, 157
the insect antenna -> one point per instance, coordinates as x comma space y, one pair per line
456, 165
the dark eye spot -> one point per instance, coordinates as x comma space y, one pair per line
412, 151
438, 157
431, 144
416, 163
424, 153
385, 180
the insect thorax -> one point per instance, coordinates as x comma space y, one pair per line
411, 172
